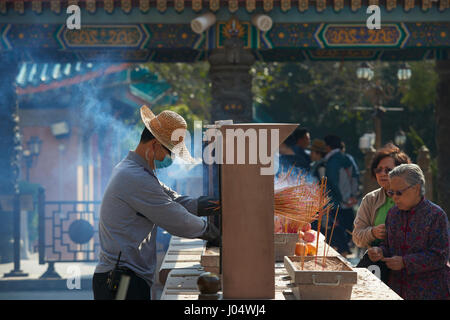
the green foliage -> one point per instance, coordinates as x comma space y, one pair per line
320, 96
421, 91
189, 82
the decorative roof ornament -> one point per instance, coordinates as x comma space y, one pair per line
126, 6
72, 3
161, 5
321, 5
36, 6
233, 28
19, 6
233, 5
250, 5
426, 4
268, 5
3, 6
338, 5
409, 4
144, 5
90, 6
214, 5
179, 5
196, 5
303, 5
285, 5
109, 6
391, 4
55, 6
356, 5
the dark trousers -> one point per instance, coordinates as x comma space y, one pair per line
345, 219
138, 289
340, 236
365, 262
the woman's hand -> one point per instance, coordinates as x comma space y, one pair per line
394, 263
379, 231
375, 254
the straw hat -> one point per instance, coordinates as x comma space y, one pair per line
163, 126
319, 146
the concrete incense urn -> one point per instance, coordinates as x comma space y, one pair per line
245, 153
319, 278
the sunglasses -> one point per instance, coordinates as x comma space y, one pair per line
381, 169
399, 192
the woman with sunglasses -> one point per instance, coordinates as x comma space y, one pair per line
416, 248
369, 225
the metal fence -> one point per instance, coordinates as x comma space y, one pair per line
68, 232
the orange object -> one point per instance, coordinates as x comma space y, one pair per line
311, 249
300, 249
300, 235
306, 227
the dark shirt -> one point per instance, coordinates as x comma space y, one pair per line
421, 237
302, 159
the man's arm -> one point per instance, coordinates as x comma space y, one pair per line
150, 199
190, 203
202, 206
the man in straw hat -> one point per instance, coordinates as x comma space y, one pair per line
136, 202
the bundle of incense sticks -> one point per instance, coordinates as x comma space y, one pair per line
302, 202
216, 205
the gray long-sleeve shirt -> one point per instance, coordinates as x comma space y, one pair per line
135, 201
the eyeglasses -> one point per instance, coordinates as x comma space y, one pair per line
399, 192
381, 169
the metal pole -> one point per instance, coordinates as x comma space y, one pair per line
16, 272
377, 123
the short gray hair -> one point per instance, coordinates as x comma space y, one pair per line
411, 173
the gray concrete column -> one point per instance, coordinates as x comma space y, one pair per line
442, 133
231, 90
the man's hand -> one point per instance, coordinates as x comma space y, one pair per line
379, 231
394, 263
208, 206
212, 235
375, 254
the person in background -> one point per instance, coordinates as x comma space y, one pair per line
302, 140
287, 156
318, 153
340, 178
416, 246
369, 225
349, 216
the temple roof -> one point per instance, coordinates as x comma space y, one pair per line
58, 6
141, 86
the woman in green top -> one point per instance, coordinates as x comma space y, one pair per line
369, 229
